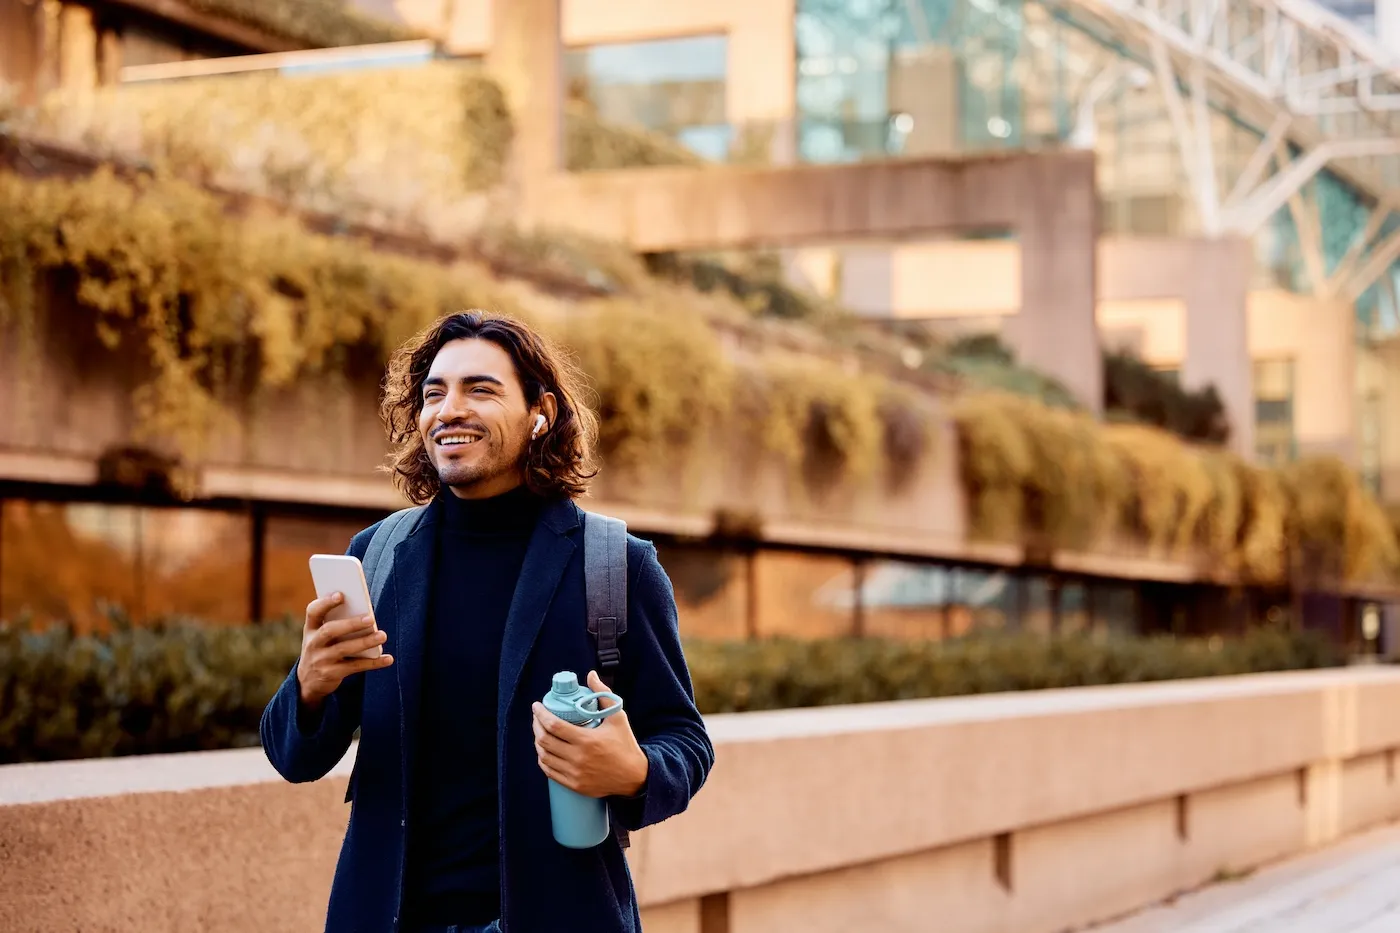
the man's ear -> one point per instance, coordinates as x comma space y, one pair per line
548, 406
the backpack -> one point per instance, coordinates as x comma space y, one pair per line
605, 583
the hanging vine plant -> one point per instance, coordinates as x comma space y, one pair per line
169, 273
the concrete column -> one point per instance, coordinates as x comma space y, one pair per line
867, 280
1056, 330
526, 57
22, 49
78, 54
1325, 381
1388, 24
1216, 293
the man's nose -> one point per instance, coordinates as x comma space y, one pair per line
455, 407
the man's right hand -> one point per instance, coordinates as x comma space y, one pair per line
325, 659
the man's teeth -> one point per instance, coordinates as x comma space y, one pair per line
456, 439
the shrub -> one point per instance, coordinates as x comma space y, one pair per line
779, 674
165, 688
182, 686
1133, 388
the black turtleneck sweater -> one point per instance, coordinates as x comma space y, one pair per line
453, 866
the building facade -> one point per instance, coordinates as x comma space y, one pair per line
1295, 338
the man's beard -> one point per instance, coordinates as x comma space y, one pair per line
465, 475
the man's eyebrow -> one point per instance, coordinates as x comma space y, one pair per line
440, 381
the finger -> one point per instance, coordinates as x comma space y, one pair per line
331, 632
549, 744
595, 683
345, 649
553, 725
343, 669
316, 609
557, 769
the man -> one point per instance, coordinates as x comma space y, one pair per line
449, 826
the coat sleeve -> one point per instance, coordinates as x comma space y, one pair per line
660, 703
302, 745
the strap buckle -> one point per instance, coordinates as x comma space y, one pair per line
606, 630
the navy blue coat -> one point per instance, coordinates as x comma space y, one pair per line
545, 888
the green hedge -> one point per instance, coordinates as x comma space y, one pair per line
781, 674
184, 686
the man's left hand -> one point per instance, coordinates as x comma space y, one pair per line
602, 761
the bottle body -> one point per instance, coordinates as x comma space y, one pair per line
578, 822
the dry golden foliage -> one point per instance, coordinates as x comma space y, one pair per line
1336, 525
161, 263
1037, 473
412, 146
161, 254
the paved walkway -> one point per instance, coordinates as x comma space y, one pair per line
1352, 887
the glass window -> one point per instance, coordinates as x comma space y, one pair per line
288, 545
844, 54
900, 599
671, 86
711, 587
803, 595
1273, 410
80, 562
1114, 607
1075, 615
904, 599
196, 562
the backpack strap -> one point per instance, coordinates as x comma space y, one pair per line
605, 593
378, 566
387, 537
605, 586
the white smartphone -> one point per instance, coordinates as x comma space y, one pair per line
343, 573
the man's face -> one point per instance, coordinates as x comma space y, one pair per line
475, 421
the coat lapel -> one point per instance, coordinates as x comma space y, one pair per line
548, 554
412, 582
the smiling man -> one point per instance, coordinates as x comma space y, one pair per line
449, 830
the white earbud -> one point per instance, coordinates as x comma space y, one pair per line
539, 425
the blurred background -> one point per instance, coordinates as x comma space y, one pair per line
941, 346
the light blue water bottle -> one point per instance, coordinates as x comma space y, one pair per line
579, 822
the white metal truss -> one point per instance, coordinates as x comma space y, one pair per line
1308, 76
1294, 53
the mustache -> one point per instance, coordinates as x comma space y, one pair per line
476, 426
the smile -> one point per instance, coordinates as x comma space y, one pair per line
455, 440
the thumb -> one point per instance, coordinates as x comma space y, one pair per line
595, 683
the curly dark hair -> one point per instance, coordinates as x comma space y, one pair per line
559, 464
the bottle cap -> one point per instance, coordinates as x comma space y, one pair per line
565, 683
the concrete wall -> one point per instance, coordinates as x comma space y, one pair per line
1013, 813
1046, 199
